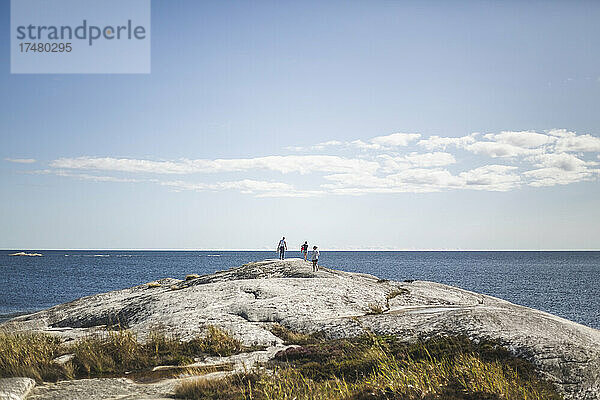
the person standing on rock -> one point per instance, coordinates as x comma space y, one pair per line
315, 258
281, 248
304, 250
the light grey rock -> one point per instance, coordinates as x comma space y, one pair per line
15, 388
103, 389
237, 362
62, 360
247, 300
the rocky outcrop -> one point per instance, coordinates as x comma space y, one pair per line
249, 299
15, 388
103, 389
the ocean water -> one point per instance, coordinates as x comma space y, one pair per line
562, 283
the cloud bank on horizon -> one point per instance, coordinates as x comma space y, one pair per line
395, 163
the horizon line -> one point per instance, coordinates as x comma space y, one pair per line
269, 250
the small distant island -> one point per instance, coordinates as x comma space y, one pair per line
275, 329
22, 253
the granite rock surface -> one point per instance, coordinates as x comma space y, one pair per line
247, 300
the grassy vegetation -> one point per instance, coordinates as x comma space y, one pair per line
112, 353
232, 387
374, 309
396, 292
290, 337
379, 368
30, 355
369, 367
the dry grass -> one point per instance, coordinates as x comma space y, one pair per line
370, 367
219, 343
382, 368
396, 292
232, 387
111, 353
31, 355
374, 309
290, 337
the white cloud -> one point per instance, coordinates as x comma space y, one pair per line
391, 164
437, 142
434, 179
560, 133
376, 143
330, 143
295, 148
395, 139
563, 161
415, 180
556, 141
421, 180
552, 176
437, 159
128, 165
364, 180
384, 164
98, 178
495, 149
560, 169
87, 177
525, 139
408, 181
282, 164
578, 143
245, 186
491, 177
20, 160
422, 160
359, 144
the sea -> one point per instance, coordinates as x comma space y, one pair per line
564, 283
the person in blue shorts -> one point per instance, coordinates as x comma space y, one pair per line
281, 248
315, 258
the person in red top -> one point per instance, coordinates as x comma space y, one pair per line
304, 250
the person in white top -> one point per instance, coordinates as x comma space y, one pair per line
281, 248
315, 258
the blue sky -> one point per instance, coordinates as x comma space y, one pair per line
393, 125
